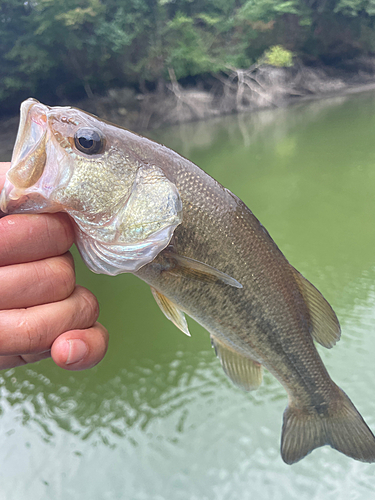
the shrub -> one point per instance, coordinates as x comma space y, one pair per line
278, 56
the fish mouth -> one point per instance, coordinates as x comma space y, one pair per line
31, 130
20, 193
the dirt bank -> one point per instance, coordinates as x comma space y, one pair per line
238, 91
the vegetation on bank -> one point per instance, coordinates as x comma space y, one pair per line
66, 49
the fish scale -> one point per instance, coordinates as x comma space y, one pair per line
140, 207
256, 246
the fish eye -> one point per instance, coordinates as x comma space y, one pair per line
89, 141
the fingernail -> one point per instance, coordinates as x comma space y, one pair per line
77, 351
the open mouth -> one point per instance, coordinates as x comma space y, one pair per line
30, 129
29, 157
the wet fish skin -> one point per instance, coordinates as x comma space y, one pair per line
212, 260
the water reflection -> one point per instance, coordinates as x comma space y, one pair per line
245, 129
169, 431
133, 398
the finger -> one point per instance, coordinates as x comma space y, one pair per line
67, 350
26, 238
7, 362
80, 349
4, 167
37, 283
33, 330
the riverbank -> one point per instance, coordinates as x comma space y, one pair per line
238, 91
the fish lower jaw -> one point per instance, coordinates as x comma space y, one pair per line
15, 201
10, 197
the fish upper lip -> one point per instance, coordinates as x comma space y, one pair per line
32, 130
7, 196
32, 127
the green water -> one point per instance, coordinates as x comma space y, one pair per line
158, 419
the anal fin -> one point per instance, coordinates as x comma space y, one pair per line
243, 371
171, 311
325, 325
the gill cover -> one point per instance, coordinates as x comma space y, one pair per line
144, 226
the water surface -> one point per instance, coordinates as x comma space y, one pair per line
158, 419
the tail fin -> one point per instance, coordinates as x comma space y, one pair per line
341, 427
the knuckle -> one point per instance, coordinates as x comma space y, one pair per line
89, 306
65, 275
65, 230
58, 232
58, 276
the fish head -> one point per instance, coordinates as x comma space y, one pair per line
66, 160
63, 161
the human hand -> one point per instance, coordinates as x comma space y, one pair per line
43, 313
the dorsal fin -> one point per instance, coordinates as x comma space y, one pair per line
171, 311
325, 325
193, 269
243, 371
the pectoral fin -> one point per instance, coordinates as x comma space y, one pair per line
193, 269
325, 325
243, 371
171, 311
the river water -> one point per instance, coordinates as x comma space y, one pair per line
158, 419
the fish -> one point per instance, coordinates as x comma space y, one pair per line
141, 208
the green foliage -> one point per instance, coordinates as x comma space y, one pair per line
187, 53
68, 47
278, 56
370, 7
349, 7
267, 10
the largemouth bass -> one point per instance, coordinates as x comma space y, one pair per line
139, 207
